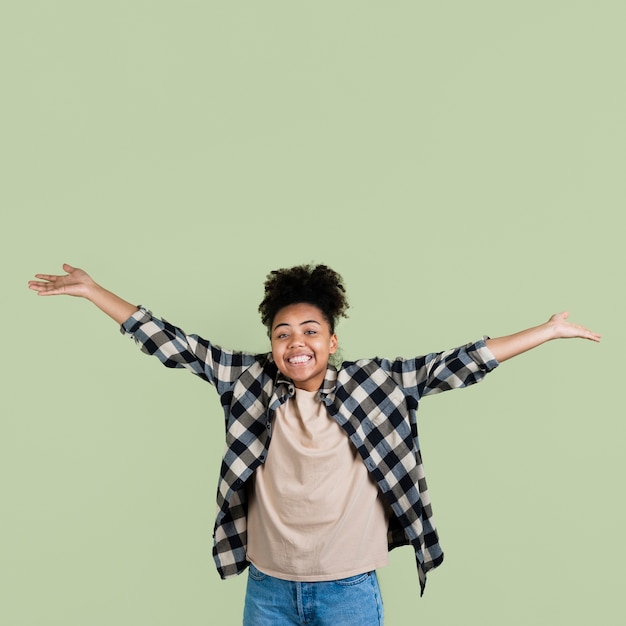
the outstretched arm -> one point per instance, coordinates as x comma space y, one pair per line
78, 283
557, 327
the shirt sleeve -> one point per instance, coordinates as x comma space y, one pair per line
441, 371
175, 349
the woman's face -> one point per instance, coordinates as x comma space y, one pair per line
302, 344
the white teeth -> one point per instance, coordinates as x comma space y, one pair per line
303, 358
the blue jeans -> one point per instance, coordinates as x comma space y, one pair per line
353, 601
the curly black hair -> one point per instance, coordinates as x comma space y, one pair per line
318, 285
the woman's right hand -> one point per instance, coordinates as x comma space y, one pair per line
75, 283
78, 283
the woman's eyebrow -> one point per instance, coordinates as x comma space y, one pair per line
301, 323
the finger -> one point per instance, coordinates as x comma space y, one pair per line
68, 268
51, 292
585, 333
46, 276
39, 287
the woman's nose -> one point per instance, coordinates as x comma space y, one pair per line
296, 340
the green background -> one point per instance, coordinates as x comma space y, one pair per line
460, 163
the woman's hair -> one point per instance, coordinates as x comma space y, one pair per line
311, 284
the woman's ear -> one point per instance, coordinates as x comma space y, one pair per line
334, 343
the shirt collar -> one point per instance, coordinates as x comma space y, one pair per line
330, 381
328, 386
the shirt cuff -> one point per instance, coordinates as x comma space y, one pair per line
139, 317
483, 356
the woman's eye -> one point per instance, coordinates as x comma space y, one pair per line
309, 332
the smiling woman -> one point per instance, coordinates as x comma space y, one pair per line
302, 344
314, 515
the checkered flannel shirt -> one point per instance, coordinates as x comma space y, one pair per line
373, 400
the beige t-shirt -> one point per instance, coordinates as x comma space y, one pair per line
314, 512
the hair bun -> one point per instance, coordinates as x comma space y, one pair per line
318, 285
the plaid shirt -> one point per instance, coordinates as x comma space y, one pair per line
373, 400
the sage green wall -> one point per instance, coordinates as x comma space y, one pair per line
460, 163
